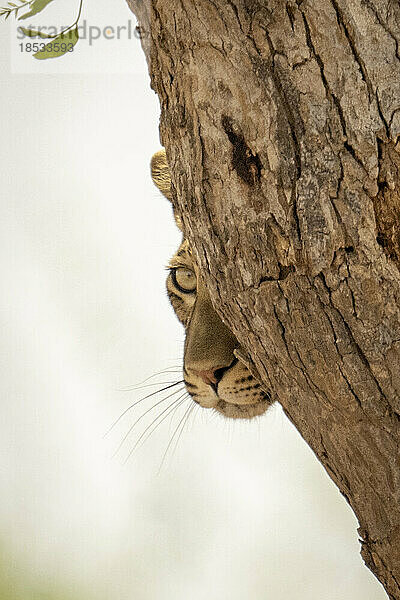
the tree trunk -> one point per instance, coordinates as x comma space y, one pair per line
281, 122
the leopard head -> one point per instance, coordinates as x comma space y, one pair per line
213, 374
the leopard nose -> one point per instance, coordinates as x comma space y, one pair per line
212, 376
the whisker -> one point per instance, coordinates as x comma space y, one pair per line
172, 411
188, 413
173, 406
137, 402
163, 372
172, 438
143, 415
141, 387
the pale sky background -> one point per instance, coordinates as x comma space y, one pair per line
239, 510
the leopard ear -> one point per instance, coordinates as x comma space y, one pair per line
161, 176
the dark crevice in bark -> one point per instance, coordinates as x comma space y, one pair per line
333, 198
286, 105
353, 302
385, 123
290, 14
293, 130
313, 387
329, 92
246, 164
387, 202
353, 48
315, 55
353, 393
235, 10
349, 332
381, 22
302, 367
351, 150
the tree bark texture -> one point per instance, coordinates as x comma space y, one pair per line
281, 122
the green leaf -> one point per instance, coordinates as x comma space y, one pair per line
53, 48
32, 33
36, 7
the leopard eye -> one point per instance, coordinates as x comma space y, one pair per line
184, 279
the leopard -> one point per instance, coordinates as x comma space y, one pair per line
213, 373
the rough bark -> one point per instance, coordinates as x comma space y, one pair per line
281, 122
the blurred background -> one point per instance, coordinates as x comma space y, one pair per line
235, 510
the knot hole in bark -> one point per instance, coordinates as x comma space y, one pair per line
246, 164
